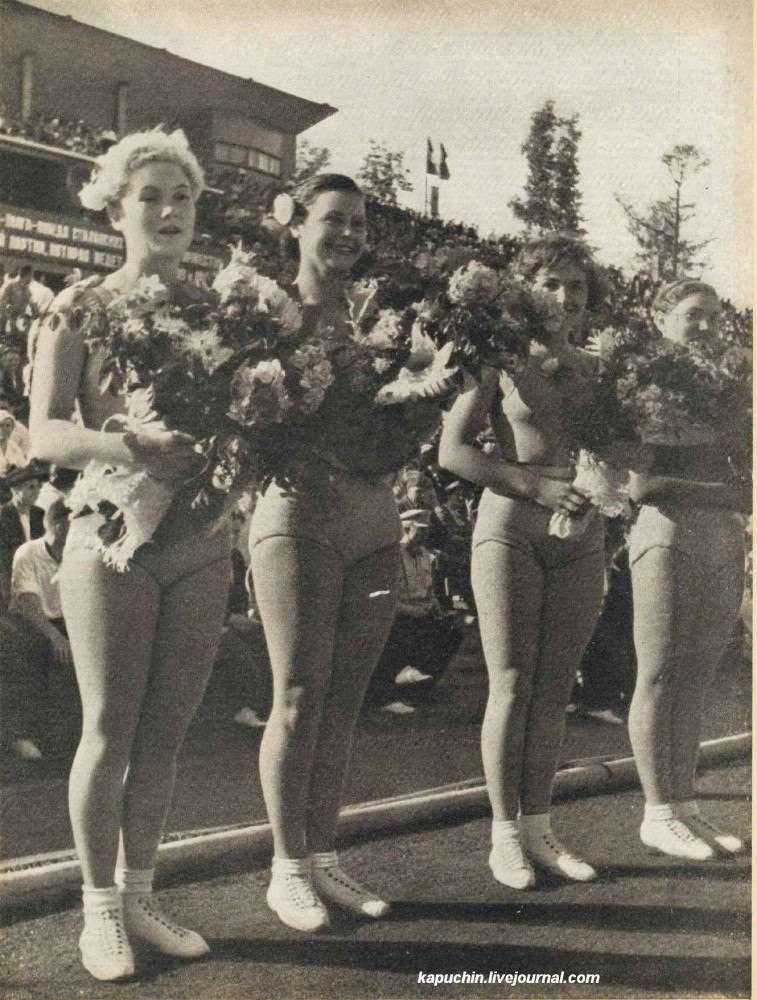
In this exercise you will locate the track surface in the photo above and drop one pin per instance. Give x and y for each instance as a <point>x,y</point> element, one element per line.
<point>650,927</point>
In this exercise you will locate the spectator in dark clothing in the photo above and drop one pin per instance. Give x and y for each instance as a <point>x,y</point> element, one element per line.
<point>20,520</point>
<point>425,634</point>
<point>37,671</point>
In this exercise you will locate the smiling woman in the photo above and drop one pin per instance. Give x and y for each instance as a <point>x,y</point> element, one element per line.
<point>143,642</point>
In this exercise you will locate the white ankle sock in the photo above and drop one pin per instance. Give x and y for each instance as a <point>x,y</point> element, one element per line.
<point>505,829</point>
<point>325,859</point>
<point>290,866</point>
<point>135,881</point>
<point>99,899</point>
<point>655,814</point>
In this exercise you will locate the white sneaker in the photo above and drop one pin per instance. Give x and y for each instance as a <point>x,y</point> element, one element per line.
<point>26,749</point>
<point>398,708</point>
<point>292,898</point>
<point>248,717</point>
<point>335,886</point>
<point>605,715</point>
<point>105,950</point>
<point>672,837</point>
<point>702,828</point>
<point>145,921</point>
<point>411,675</point>
<point>546,851</point>
<point>509,864</point>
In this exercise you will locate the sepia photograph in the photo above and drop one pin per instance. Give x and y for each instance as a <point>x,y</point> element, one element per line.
<point>375,499</point>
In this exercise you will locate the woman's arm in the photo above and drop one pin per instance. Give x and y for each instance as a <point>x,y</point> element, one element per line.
<point>59,362</point>
<point>61,355</point>
<point>459,454</point>
<point>647,488</point>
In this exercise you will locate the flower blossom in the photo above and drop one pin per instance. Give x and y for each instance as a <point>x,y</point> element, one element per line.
<point>259,394</point>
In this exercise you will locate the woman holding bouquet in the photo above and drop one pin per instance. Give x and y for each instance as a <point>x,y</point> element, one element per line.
<point>538,596</point>
<point>324,558</point>
<point>687,563</point>
<point>143,641</point>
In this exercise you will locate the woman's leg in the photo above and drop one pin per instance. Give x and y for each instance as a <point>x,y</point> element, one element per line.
<point>713,600</point>
<point>298,587</point>
<point>659,596</point>
<point>369,599</point>
<point>187,632</point>
<point>508,586</point>
<point>571,604</point>
<point>111,625</point>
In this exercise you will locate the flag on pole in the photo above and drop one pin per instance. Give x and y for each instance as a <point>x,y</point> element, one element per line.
<point>430,164</point>
<point>443,168</point>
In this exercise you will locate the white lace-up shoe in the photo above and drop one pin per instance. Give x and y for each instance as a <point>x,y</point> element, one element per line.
<point>705,830</point>
<point>145,921</point>
<point>292,898</point>
<point>105,950</point>
<point>545,851</point>
<point>509,864</point>
<point>672,837</point>
<point>335,886</point>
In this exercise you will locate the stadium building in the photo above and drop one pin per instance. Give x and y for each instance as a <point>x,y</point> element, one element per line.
<point>56,69</point>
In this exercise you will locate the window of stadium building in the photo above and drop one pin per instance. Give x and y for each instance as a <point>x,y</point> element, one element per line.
<point>243,156</point>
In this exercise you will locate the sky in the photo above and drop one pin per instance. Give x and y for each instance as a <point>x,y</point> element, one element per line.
<point>642,75</point>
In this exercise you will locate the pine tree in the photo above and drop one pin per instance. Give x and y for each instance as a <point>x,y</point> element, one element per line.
<point>552,198</point>
<point>535,208</point>
<point>664,252</point>
<point>566,196</point>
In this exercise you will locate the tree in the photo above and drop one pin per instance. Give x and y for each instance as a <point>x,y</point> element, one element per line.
<point>310,160</point>
<point>552,199</point>
<point>664,252</point>
<point>383,174</point>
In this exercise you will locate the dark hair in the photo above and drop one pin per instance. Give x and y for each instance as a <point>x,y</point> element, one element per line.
<point>25,271</point>
<point>57,512</point>
<point>553,249</point>
<point>305,194</point>
<point>668,296</point>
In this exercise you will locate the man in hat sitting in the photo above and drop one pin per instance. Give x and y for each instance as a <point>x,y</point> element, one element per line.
<point>425,634</point>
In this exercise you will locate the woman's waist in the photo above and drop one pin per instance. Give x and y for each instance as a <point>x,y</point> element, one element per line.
<point>678,519</point>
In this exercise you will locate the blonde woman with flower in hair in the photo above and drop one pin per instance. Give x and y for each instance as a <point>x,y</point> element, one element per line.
<point>324,557</point>
<point>143,641</point>
<point>687,566</point>
<point>538,595</point>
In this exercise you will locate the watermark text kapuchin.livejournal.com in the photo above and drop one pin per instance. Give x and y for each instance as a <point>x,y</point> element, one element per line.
<point>509,978</point>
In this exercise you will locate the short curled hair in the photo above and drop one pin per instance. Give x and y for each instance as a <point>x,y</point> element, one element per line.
<point>305,194</point>
<point>553,249</point>
<point>668,296</point>
<point>113,169</point>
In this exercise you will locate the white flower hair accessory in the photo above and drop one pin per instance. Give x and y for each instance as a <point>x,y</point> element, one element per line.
<point>114,166</point>
<point>284,208</point>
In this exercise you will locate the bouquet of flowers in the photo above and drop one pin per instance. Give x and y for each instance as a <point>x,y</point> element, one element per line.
<point>389,379</point>
<point>235,372</point>
<point>493,319</point>
<point>662,392</point>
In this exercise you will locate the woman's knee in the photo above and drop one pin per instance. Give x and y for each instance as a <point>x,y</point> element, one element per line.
<point>294,705</point>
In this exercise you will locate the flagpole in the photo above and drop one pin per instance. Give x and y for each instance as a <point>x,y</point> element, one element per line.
<point>425,192</point>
